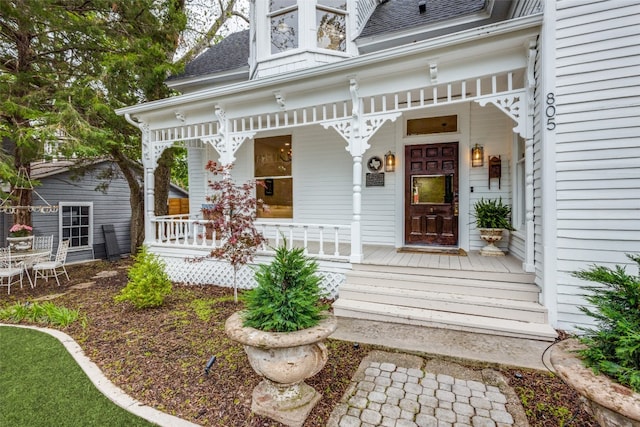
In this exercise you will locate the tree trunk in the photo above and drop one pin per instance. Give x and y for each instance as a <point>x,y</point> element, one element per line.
<point>162,177</point>
<point>136,198</point>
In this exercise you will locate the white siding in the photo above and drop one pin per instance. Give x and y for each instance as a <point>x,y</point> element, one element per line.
<point>598,145</point>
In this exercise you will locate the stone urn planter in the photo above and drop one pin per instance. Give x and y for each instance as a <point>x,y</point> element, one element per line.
<point>285,360</point>
<point>17,244</point>
<point>491,236</point>
<point>611,404</point>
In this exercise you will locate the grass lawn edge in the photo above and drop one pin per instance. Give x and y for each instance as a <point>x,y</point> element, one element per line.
<point>106,387</point>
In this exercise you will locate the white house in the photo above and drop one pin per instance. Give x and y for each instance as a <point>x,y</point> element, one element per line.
<point>361,117</point>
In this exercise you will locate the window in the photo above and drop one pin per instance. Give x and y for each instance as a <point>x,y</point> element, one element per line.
<point>331,23</point>
<point>431,125</point>
<point>272,160</point>
<point>519,211</point>
<point>283,15</point>
<point>76,224</point>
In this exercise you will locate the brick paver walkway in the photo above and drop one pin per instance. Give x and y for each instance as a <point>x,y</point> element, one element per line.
<point>394,396</point>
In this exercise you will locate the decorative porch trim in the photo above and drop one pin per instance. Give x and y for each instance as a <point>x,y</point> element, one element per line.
<point>226,144</point>
<point>513,105</point>
<point>357,131</point>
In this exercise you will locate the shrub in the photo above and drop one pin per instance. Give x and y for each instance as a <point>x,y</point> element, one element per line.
<point>45,313</point>
<point>148,283</point>
<point>613,348</point>
<point>288,295</point>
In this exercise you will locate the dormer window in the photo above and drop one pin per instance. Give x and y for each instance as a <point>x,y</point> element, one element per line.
<point>283,15</point>
<point>332,24</point>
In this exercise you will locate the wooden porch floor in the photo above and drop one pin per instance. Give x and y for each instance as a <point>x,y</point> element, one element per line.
<point>473,261</point>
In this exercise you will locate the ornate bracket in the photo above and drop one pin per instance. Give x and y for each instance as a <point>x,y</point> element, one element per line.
<point>227,145</point>
<point>358,130</point>
<point>513,105</point>
<point>280,100</point>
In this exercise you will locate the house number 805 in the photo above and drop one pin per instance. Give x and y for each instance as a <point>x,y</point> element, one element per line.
<point>550,111</point>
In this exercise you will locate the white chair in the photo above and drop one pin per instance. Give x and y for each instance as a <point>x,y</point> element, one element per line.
<point>9,270</point>
<point>55,268</point>
<point>43,243</point>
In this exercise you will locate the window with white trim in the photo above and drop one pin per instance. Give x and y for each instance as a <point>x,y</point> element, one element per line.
<point>331,21</point>
<point>283,23</point>
<point>272,162</point>
<point>76,223</point>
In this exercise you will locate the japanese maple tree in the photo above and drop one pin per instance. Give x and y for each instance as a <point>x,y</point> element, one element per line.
<point>232,214</point>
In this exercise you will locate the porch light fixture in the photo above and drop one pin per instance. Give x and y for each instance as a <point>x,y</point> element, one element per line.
<point>477,156</point>
<point>389,162</point>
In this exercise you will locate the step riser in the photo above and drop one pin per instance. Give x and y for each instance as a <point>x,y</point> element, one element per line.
<point>430,324</point>
<point>486,289</point>
<point>449,305</point>
<point>506,328</point>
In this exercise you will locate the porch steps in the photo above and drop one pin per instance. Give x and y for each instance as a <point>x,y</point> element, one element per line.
<point>504,304</point>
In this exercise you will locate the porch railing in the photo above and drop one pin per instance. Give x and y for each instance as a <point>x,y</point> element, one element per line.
<point>321,241</point>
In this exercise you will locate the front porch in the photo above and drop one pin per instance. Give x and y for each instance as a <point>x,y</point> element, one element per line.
<point>463,292</point>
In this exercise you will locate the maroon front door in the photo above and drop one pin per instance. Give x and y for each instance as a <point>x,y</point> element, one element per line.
<point>431,194</point>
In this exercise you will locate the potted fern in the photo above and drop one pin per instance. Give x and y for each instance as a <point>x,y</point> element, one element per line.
<point>603,364</point>
<point>492,218</point>
<point>283,329</point>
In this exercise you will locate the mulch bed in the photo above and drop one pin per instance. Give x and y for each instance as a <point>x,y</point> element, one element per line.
<point>158,356</point>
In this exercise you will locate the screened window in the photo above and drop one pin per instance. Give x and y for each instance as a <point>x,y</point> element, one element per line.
<point>332,24</point>
<point>272,160</point>
<point>519,210</point>
<point>76,224</point>
<point>283,16</point>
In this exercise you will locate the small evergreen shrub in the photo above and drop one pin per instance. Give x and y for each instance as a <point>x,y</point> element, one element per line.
<point>288,295</point>
<point>613,348</point>
<point>148,283</point>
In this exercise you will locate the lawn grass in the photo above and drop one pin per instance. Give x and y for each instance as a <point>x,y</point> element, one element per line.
<point>42,385</point>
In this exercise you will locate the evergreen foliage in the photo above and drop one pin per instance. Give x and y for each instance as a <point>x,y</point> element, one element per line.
<point>288,295</point>
<point>492,213</point>
<point>148,283</point>
<point>613,348</point>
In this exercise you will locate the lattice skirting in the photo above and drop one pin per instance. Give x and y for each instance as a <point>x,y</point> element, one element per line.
<point>214,272</point>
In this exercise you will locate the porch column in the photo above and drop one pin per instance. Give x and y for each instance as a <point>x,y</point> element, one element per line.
<point>357,131</point>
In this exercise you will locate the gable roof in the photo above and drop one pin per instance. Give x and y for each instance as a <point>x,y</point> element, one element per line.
<point>400,15</point>
<point>41,170</point>
<point>231,53</point>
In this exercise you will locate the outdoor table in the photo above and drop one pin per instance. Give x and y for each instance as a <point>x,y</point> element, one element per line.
<point>29,258</point>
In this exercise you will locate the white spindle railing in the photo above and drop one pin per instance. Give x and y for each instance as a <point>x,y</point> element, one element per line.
<point>322,241</point>
<point>420,97</point>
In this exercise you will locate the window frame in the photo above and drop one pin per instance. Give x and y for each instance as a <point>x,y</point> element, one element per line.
<point>61,226</point>
<point>284,11</point>
<point>344,13</point>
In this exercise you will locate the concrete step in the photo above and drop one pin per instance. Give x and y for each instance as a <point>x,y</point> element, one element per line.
<point>487,306</point>
<point>419,280</point>
<point>374,311</point>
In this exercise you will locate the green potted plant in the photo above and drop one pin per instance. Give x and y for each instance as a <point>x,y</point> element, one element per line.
<point>492,218</point>
<point>603,363</point>
<point>283,329</point>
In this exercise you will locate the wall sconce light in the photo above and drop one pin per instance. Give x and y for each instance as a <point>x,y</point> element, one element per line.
<point>477,156</point>
<point>389,162</point>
